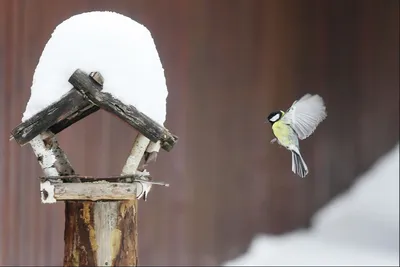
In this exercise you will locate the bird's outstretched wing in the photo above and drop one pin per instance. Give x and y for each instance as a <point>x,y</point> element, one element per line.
<point>305,114</point>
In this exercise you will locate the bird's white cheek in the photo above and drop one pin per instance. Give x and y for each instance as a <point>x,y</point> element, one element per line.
<point>275,117</point>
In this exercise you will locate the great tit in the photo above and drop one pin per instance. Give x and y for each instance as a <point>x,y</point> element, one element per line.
<point>298,122</point>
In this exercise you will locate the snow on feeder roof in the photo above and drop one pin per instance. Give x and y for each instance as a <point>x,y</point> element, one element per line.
<point>121,49</point>
<point>126,78</point>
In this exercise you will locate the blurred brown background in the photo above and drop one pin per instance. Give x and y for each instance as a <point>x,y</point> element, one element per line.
<point>228,64</point>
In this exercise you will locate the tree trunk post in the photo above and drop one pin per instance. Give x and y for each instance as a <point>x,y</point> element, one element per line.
<point>104,233</point>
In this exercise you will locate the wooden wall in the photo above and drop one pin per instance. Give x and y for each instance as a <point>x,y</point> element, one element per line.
<point>228,64</point>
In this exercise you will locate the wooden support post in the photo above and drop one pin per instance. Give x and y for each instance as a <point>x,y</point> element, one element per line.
<point>151,153</point>
<point>50,156</point>
<point>110,228</point>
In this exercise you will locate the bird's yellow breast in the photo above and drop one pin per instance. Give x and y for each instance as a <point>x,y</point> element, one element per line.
<point>282,132</point>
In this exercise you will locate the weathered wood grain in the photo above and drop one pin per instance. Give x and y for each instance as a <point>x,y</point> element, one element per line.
<point>69,104</point>
<point>72,107</point>
<point>128,113</point>
<point>138,178</point>
<point>75,117</point>
<point>84,178</point>
<point>81,112</point>
<point>91,191</point>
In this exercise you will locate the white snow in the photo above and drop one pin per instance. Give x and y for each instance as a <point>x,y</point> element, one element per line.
<point>360,227</point>
<point>121,49</point>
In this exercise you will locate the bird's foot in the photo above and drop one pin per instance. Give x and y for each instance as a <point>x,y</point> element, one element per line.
<point>273,140</point>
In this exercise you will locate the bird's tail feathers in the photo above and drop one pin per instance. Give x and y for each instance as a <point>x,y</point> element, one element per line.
<point>299,166</point>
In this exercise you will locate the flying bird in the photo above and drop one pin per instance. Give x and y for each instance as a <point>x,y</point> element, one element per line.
<point>297,123</point>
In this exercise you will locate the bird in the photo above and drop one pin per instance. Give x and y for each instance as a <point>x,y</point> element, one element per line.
<point>297,123</point>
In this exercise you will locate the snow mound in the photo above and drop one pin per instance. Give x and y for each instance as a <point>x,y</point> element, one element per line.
<point>358,228</point>
<point>121,49</point>
<point>306,249</point>
<point>367,214</point>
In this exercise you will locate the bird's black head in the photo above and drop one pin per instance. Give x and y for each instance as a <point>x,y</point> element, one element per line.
<point>275,116</point>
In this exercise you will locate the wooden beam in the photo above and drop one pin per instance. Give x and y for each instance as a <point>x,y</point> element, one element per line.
<point>128,113</point>
<point>43,120</point>
<point>75,117</point>
<point>137,178</point>
<point>53,191</point>
<point>81,112</point>
<point>71,108</point>
<point>150,155</point>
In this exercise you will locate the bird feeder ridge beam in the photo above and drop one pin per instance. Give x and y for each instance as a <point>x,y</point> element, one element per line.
<point>128,113</point>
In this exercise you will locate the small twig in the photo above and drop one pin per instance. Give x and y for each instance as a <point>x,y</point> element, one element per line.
<point>154,183</point>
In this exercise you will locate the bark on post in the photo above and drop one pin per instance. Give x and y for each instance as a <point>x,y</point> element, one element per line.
<point>105,233</point>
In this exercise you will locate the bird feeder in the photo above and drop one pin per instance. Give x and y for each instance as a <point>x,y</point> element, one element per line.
<point>60,182</point>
